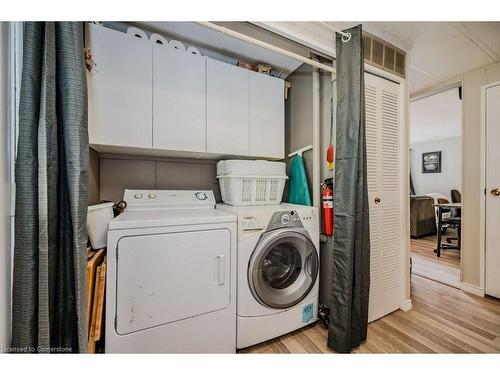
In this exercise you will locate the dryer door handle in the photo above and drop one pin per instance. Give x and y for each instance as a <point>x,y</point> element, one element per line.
<point>221,269</point>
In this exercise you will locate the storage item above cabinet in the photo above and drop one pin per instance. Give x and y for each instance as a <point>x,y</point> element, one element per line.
<point>119,89</point>
<point>179,111</point>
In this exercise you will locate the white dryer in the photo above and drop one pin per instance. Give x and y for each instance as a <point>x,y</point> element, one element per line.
<point>278,263</point>
<point>171,275</point>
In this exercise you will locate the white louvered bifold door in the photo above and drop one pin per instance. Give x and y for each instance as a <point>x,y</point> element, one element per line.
<point>383,154</point>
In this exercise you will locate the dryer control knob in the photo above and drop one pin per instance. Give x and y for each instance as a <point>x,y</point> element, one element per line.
<point>285,219</point>
<point>151,195</point>
<point>138,195</point>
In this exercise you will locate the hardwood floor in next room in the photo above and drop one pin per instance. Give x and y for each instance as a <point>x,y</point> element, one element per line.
<point>425,263</point>
<point>443,320</point>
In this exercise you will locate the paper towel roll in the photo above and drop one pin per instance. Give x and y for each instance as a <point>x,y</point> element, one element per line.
<point>136,32</point>
<point>193,50</point>
<point>175,44</point>
<point>158,39</point>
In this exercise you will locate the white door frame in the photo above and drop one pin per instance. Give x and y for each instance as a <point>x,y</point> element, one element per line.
<point>449,86</point>
<point>482,206</point>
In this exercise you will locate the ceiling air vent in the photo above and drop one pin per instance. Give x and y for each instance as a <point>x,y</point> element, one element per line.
<point>384,55</point>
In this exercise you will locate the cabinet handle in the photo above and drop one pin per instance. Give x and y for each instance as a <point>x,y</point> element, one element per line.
<point>377,200</point>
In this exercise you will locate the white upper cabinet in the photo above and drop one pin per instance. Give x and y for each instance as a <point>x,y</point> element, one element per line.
<point>266,116</point>
<point>120,93</point>
<point>227,109</point>
<point>179,110</point>
<point>151,99</point>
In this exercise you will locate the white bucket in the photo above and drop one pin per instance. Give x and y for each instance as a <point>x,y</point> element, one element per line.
<point>98,217</point>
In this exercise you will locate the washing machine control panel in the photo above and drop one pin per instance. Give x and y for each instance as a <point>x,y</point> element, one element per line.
<point>285,219</point>
<point>305,218</point>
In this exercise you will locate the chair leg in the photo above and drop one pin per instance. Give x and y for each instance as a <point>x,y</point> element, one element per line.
<point>459,230</point>
<point>440,225</point>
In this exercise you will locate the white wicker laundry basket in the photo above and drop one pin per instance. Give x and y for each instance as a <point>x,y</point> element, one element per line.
<point>247,188</point>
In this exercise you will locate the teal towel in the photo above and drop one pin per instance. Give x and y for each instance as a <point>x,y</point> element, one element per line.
<point>299,188</point>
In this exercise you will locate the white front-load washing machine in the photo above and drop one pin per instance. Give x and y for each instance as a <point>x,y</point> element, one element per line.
<point>277,270</point>
<point>171,282</point>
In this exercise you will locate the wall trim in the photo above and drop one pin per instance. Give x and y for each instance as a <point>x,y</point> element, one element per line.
<point>406,305</point>
<point>482,204</point>
<point>482,207</point>
<point>472,289</point>
<point>437,90</point>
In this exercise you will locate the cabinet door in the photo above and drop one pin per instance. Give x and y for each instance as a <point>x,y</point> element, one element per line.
<point>227,108</point>
<point>383,163</point>
<point>119,89</point>
<point>267,116</point>
<point>179,116</point>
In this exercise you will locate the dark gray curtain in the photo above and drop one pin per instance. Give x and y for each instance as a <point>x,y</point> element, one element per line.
<point>351,245</point>
<point>49,288</point>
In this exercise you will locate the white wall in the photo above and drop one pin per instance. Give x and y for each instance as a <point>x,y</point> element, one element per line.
<point>119,172</point>
<point>451,167</point>
<point>435,117</point>
<point>5,255</point>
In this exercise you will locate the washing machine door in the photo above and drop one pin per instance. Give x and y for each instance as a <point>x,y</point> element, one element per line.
<point>283,268</point>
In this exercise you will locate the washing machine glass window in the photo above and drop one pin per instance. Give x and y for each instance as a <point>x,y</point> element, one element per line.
<point>283,268</point>
<point>282,265</point>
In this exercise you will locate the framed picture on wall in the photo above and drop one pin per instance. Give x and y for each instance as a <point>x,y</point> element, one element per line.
<point>431,162</point>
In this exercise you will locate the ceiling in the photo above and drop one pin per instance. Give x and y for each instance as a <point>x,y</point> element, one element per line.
<point>439,51</point>
<point>436,117</point>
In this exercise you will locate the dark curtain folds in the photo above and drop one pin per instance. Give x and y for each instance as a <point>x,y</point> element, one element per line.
<point>351,245</point>
<point>49,288</point>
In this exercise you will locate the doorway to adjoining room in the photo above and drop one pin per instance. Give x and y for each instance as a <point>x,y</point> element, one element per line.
<point>436,186</point>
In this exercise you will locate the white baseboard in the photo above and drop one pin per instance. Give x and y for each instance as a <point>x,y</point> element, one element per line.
<point>406,305</point>
<point>472,289</point>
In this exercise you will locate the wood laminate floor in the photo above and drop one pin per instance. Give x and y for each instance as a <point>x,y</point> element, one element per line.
<point>443,320</point>
<point>425,263</point>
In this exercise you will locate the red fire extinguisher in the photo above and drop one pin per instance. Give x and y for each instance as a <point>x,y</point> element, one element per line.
<point>327,199</point>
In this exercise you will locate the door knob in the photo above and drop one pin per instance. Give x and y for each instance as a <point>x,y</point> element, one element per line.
<point>495,192</point>
<point>377,200</point>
